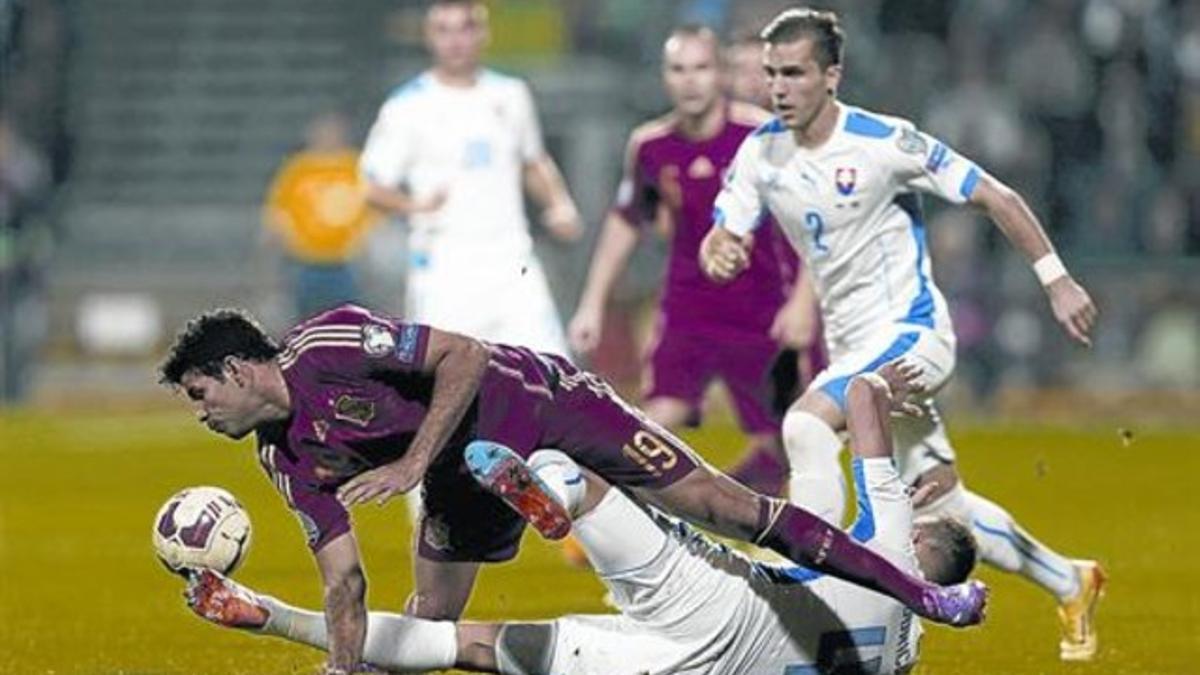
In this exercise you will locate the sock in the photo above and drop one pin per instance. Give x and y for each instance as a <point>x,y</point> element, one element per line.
<point>618,536</point>
<point>1005,544</point>
<point>763,468</point>
<point>393,641</point>
<point>561,476</point>
<point>816,481</point>
<point>813,542</point>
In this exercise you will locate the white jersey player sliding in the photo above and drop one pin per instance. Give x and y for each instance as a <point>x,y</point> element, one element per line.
<point>688,605</point>
<point>844,184</point>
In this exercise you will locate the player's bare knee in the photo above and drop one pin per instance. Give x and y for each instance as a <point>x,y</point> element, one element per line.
<point>526,647</point>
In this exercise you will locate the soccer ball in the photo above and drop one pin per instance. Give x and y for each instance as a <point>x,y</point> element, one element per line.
<point>201,527</point>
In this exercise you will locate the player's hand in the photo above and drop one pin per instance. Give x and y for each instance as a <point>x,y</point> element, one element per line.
<point>724,255</point>
<point>904,381</point>
<point>429,203</point>
<point>584,330</point>
<point>381,483</point>
<point>1073,309</point>
<point>563,221</point>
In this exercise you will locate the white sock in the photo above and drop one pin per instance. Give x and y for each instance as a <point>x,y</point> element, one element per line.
<point>1005,544</point>
<point>816,482</point>
<point>393,642</point>
<point>562,476</point>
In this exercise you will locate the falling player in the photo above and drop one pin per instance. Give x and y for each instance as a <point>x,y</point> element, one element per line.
<point>357,407</point>
<point>843,183</point>
<point>687,604</point>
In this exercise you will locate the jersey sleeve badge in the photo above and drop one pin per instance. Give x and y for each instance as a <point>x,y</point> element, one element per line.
<point>911,142</point>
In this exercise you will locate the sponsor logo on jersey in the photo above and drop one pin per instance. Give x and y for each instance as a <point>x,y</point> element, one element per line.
<point>701,168</point>
<point>845,178</point>
<point>406,348</point>
<point>912,142</point>
<point>352,409</point>
<point>377,340</point>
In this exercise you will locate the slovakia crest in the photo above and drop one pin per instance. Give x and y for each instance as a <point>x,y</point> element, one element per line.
<point>845,179</point>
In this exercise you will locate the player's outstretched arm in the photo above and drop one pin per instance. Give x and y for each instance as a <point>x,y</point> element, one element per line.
<point>457,364</point>
<point>724,255</point>
<point>345,601</point>
<point>617,241</point>
<point>1072,306</point>
<point>545,184</point>
<point>401,203</point>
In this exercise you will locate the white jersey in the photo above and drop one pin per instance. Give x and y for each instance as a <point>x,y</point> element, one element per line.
<point>700,608</point>
<point>851,210</point>
<point>471,142</point>
<point>471,264</point>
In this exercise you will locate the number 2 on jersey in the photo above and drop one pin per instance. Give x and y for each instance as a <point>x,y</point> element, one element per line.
<point>815,224</point>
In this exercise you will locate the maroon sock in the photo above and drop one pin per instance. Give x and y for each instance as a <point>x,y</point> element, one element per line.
<point>804,538</point>
<point>761,471</point>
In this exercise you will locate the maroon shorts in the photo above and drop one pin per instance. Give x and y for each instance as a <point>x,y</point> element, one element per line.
<point>682,364</point>
<point>583,418</point>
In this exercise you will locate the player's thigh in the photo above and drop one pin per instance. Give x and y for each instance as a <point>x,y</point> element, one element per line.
<point>677,367</point>
<point>746,368</point>
<point>524,311</point>
<point>932,352</point>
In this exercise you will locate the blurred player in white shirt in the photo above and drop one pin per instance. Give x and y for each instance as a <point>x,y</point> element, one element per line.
<point>687,605</point>
<point>843,183</point>
<point>451,150</point>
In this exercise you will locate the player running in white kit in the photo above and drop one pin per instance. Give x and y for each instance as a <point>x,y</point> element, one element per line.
<point>688,605</point>
<point>451,150</point>
<point>843,183</point>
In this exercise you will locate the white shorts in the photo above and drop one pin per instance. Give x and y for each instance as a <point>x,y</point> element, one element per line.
<point>921,444</point>
<point>504,300</point>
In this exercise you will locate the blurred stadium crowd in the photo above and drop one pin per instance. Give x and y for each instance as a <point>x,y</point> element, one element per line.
<point>1091,108</point>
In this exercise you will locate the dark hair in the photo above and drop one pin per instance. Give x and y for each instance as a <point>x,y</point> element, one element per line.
<point>477,7</point>
<point>954,548</point>
<point>821,27</point>
<point>211,337</point>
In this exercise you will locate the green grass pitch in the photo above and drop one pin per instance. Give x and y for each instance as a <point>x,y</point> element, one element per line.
<point>80,591</point>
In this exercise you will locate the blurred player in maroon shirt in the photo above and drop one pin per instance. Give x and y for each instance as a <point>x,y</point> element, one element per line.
<point>673,170</point>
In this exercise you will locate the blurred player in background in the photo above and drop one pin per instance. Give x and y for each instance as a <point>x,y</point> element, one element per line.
<point>450,151</point>
<point>673,170</point>
<point>356,407</point>
<point>687,604</point>
<point>844,184</point>
<point>316,213</point>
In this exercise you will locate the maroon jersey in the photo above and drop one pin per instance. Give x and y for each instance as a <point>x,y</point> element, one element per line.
<point>667,173</point>
<point>358,397</point>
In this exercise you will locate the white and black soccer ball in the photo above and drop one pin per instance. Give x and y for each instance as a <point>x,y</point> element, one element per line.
<point>201,527</point>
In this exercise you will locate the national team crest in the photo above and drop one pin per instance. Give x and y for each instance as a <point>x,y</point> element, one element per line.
<point>845,179</point>
<point>348,408</point>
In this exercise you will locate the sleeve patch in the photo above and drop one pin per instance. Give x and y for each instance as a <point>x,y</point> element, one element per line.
<point>911,142</point>
<point>406,348</point>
